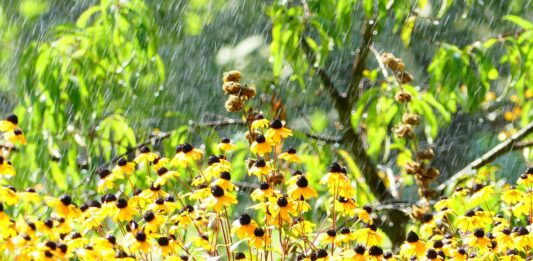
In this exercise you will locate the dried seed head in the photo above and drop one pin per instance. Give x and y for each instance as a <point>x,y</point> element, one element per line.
<point>232,76</point>
<point>232,88</point>
<point>412,167</point>
<point>425,154</point>
<point>403,130</point>
<point>403,96</point>
<point>234,103</point>
<point>404,77</point>
<point>392,62</point>
<point>410,118</point>
<point>247,92</point>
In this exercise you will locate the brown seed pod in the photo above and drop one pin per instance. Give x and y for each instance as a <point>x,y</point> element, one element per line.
<point>410,118</point>
<point>413,167</point>
<point>391,61</point>
<point>231,87</point>
<point>404,77</point>
<point>425,154</point>
<point>247,92</point>
<point>403,130</point>
<point>403,96</point>
<point>232,76</point>
<point>234,103</point>
<point>431,173</point>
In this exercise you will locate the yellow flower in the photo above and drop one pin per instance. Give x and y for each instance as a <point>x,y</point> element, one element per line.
<point>163,206</point>
<point>335,178</point>
<point>139,242</point>
<point>244,227</point>
<point>262,193</point>
<point>346,235</point>
<point>302,227</point>
<point>6,169</point>
<point>107,180</point>
<point>357,254</point>
<point>9,124</point>
<point>413,246</point>
<point>504,239</point>
<point>512,196</point>
<point>260,239</point>
<point>63,206</point>
<point>328,238</point>
<point>152,222</point>
<point>526,179</point>
<point>277,132</point>
<point>429,223</point>
<point>375,253</point>
<point>368,236</point>
<point>241,257</point>
<point>460,255</point>
<point>123,168</point>
<point>201,192</point>
<point>364,214</point>
<point>301,189</point>
<point>473,219</point>
<point>186,154</point>
<point>346,207</point>
<point>124,211</point>
<point>15,136</point>
<point>224,181</point>
<point>260,168</point>
<point>164,175</point>
<point>283,208</point>
<point>523,240</point>
<point>259,123</point>
<point>225,145</point>
<point>29,196</point>
<point>160,162</point>
<point>166,246</point>
<point>261,145</point>
<point>220,199</point>
<point>9,195</point>
<point>153,193</point>
<point>203,242</point>
<point>146,156</point>
<point>478,240</point>
<point>481,194</point>
<point>290,156</point>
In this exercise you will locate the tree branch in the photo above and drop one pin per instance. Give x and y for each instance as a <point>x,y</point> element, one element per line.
<point>500,149</point>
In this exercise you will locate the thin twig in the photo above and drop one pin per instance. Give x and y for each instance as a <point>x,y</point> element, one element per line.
<point>500,149</point>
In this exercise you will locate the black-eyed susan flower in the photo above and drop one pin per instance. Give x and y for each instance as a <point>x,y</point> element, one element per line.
<point>241,256</point>
<point>302,190</point>
<point>153,193</point>
<point>10,123</point>
<point>186,154</point>
<point>152,221</point>
<point>225,145</point>
<point>357,254</point>
<point>244,227</point>
<point>481,194</point>
<point>413,246</point>
<point>290,156</point>
<point>219,199</point>
<point>260,168</point>
<point>277,132</point>
<point>261,145</point>
<point>346,207</point>
<point>428,224</point>
<point>262,193</point>
<point>146,156</point>
<point>15,136</point>
<point>259,239</point>
<point>364,214</point>
<point>123,168</point>
<point>224,181</point>
<point>334,177</point>
<point>9,195</point>
<point>345,235</point>
<point>164,175</point>
<point>29,196</point>
<point>201,192</point>
<point>124,211</point>
<point>166,246</point>
<point>523,239</point>
<point>139,241</point>
<point>259,122</point>
<point>63,206</point>
<point>301,227</point>
<point>202,241</point>
<point>472,219</point>
<point>160,162</point>
<point>6,169</point>
<point>478,240</point>
<point>107,180</point>
<point>375,253</point>
<point>105,246</point>
<point>512,196</point>
<point>282,207</point>
<point>328,237</point>
<point>368,236</point>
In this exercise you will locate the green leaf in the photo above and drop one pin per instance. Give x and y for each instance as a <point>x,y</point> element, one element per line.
<point>407,29</point>
<point>519,21</point>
